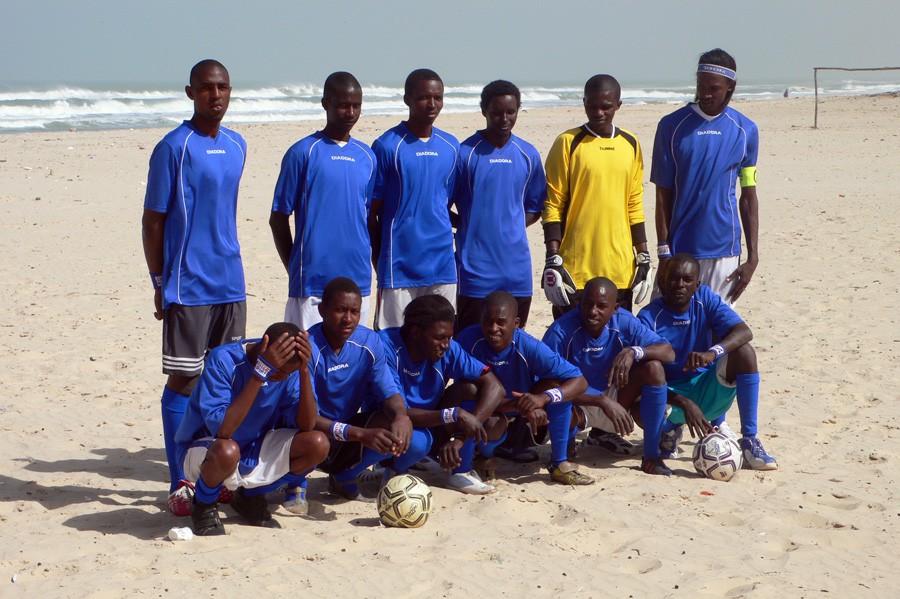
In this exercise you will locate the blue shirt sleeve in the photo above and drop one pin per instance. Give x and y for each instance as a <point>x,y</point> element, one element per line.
<point>752,145</point>
<point>287,189</point>
<point>662,172</point>
<point>461,364</point>
<point>637,333</point>
<point>215,392</point>
<point>161,178</point>
<point>536,188</point>
<point>720,315</point>
<point>382,164</point>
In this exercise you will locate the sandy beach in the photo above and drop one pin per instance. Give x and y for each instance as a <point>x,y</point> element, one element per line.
<point>82,489</point>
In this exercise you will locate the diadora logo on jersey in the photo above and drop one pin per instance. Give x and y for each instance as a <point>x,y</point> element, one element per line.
<point>709,132</point>
<point>503,160</point>
<point>592,349</point>
<point>681,323</point>
<point>215,151</point>
<point>426,153</point>
<point>338,367</point>
<point>411,373</point>
<point>347,158</point>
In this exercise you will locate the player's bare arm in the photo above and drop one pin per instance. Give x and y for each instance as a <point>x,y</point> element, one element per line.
<point>749,207</point>
<point>280,224</point>
<point>153,226</point>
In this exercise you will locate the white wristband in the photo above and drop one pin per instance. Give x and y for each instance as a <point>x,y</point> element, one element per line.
<point>339,430</point>
<point>717,349</point>
<point>555,394</point>
<point>638,352</point>
<point>449,415</point>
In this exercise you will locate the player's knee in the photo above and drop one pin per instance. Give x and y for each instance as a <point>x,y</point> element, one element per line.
<point>224,453</point>
<point>653,373</point>
<point>419,444</point>
<point>314,444</point>
<point>745,359</point>
<point>459,392</point>
<point>495,426</point>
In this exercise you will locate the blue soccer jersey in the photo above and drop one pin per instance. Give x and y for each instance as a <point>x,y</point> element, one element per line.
<point>226,373</point>
<point>594,356</point>
<point>194,181</point>
<point>495,187</point>
<point>328,188</point>
<point>415,181</point>
<point>356,377</point>
<point>422,383</point>
<point>699,158</point>
<point>526,360</point>
<point>691,330</point>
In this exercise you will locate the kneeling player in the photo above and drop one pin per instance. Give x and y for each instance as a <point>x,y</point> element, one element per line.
<point>249,425</point>
<point>539,383</point>
<point>705,377</point>
<point>422,357</point>
<point>621,359</point>
<point>349,373</point>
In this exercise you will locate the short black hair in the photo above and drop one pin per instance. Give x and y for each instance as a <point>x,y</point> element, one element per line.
<point>413,79</point>
<point>601,283</point>
<point>337,286</point>
<point>718,57</point>
<point>337,82</point>
<point>499,298</point>
<point>500,87</point>
<point>203,64</point>
<point>603,84</point>
<point>684,258</point>
<point>426,310</point>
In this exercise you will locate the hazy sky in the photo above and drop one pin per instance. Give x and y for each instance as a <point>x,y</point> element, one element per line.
<point>466,41</point>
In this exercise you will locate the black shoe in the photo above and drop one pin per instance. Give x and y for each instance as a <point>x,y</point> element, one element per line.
<point>205,519</point>
<point>655,466</point>
<point>518,444</point>
<point>255,510</point>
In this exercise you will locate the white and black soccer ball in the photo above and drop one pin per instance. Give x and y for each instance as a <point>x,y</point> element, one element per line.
<point>404,502</point>
<point>717,457</point>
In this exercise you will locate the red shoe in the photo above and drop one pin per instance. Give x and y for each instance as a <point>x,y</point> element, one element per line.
<point>180,499</point>
<point>225,495</point>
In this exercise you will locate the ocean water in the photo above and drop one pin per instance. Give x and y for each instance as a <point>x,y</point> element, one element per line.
<point>83,108</point>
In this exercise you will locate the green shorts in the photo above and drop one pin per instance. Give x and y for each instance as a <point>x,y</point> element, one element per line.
<point>709,390</point>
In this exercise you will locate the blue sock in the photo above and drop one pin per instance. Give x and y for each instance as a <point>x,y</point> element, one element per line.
<point>572,433</point>
<point>487,449</point>
<point>419,444</point>
<point>653,414</point>
<point>718,421</point>
<point>668,426</point>
<point>203,493</point>
<point>288,480</point>
<point>173,407</point>
<point>466,455</point>
<point>292,481</point>
<point>560,417</point>
<point>748,402</point>
<point>369,457</point>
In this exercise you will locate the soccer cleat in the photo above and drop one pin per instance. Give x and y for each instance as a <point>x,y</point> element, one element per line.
<point>295,501</point>
<point>755,456</point>
<point>610,442</point>
<point>572,477</point>
<point>470,482</point>
<point>255,510</point>
<point>205,519</point>
<point>668,442</point>
<point>728,432</point>
<point>180,499</point>
<point>655,466</point>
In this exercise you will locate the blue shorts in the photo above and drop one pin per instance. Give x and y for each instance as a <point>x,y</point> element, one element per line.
<point>709,390</point>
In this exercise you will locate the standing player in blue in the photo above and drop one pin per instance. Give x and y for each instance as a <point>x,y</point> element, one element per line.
<point>701,152</point>
<point>621,360</point>
<point>500,190</point>
<point>350,373</point>
<point>326,181</point>
<point>409,222</point>
<point>249,426</point>
<point>539,383</point>
<point>192,251</point>
<point>705,377</point>
<point>423,358</point>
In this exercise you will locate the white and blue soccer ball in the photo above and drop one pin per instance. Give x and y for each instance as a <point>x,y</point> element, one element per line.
<point>404,502</point>
<point>717,457</point>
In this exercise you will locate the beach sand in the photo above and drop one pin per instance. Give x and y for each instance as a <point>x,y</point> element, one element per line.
<point>82,489</point>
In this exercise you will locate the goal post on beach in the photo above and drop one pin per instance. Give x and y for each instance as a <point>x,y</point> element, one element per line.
<point>816,82</point>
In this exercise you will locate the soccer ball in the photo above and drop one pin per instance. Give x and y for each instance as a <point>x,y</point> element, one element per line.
<point>404,502</point>
<point>717,457</point>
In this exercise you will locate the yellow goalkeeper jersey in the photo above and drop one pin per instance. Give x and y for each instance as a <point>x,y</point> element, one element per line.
<point>595,190</point>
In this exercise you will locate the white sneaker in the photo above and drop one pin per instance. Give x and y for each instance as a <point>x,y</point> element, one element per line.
<point>470,482</point>
<point>726,430</point>
<point>296,501</point>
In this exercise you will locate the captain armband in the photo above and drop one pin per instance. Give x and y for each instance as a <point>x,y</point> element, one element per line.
<point>747,176</point>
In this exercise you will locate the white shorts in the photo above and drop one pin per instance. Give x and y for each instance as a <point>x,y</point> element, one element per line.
<point>274,460</point>
<point>304,311</point>
<point>392,302</point>
<point>594,416</point>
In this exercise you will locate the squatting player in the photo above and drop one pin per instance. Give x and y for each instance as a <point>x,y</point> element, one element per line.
<point>191,246</point>
<point>423,358</point>
<point>539,383</point>
<point>350,373</point>
<point>594,214</point>
<point>249,426</point>
<point>409,222</point>
<point>705,376</point>
<point>326,181</point>
<point>701,151</point>
<point>500,190</point>
<point>621,360</point>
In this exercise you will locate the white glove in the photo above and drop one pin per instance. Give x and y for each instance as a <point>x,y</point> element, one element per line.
<point>557,282</point>
<point>643,277</point>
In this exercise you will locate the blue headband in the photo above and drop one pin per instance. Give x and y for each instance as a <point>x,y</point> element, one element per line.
<point>716,70</point>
